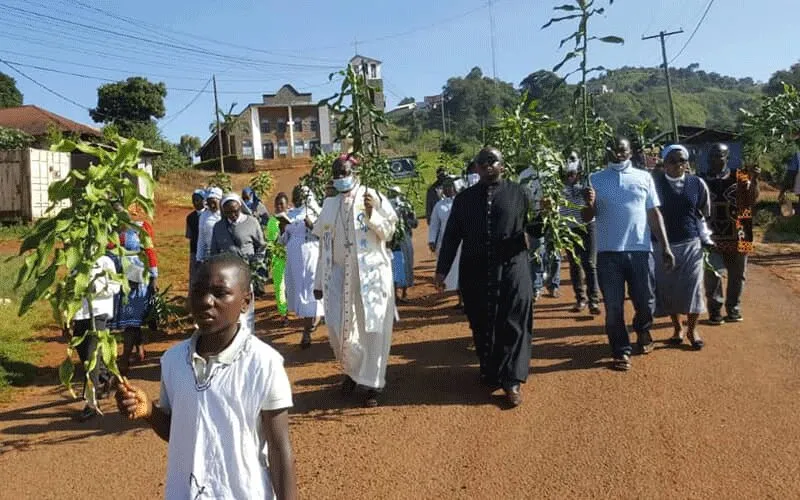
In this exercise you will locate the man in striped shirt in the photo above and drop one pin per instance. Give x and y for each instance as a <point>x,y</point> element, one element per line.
<point>583,265</point>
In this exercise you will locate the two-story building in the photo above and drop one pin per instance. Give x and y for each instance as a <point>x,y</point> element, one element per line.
<point>286,124</point>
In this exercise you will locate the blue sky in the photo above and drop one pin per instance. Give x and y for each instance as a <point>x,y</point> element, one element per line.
<point>421,44</point>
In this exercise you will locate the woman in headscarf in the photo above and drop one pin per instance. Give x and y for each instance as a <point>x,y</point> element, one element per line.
<point>302,255</point>
<point>254,205</point>
<point>275,228</point>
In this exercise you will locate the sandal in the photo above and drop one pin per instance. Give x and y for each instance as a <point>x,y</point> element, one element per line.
<point>622,363</point>
<point>696,342</point>
<point>677,337</point>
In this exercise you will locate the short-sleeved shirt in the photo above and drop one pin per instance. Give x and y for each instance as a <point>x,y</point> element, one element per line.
<point>217,446</point>
<point>623,199</point>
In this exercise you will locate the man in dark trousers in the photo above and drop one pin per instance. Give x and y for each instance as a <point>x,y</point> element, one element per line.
<point>488,221</point>
<point>193,227</point>
<point>733,195</point>
<point>435,193</point>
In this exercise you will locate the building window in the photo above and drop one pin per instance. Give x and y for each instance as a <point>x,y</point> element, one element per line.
<point>247,148</point>
<point>298,146</point>
<point>373,70</point>
<point>298,124</point>
<point>265,127</point>
<point>281,126</point>
<point>283,148</point>
<point>313,125</point>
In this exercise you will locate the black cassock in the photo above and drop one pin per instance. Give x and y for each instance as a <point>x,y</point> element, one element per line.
<point>494,275</point>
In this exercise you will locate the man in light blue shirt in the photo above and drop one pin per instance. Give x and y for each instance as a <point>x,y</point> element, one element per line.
<point>624,203</point>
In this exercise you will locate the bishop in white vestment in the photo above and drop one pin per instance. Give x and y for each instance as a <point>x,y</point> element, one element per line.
<point>354,275</point>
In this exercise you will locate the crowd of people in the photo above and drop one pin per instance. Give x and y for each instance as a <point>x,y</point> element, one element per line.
<point>662,238</point>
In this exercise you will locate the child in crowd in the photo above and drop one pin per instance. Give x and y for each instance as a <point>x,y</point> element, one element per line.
<point>102,309</point>
<point>228,401</point>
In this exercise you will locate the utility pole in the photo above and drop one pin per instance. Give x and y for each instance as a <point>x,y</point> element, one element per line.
<point>662,36</point>
<point>491,28</point>
<point>444,127</point>
<point>219,129</point>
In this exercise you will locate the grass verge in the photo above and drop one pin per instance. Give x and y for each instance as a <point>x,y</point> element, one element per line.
<point>18,350</point>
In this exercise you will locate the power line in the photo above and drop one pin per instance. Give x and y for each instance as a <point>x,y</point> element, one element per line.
<point>45,87</point>
<point>204,52</point>
<point>703,18</point>
<point>159,30</point>
<point>194,99</point>
<point>102,79</point>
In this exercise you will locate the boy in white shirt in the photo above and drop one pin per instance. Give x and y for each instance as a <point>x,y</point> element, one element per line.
<point>229,395</point>
<point>103,311</point>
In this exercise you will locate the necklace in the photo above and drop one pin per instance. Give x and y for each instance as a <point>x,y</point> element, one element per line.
<point>341,216</point>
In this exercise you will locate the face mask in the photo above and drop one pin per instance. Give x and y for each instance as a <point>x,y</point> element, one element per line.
<point>473,179</point>
<point>620,166</point>
<point>572,165</point>
<point>344,184</point>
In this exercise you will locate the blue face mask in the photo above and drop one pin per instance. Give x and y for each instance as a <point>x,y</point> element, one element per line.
<point>344,184</point>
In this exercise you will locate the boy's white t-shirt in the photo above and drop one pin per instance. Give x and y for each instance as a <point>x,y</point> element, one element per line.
<point>217,446</point>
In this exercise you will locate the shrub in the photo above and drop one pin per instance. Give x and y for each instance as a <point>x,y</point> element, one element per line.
<point>262,184</point>
<point>11,138</point>
<point>222,181</point>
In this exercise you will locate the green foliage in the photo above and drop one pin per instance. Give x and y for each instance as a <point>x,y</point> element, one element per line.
<point>230,124</point>
<point>170,160</point>
<point>262,184</point>
<point>320,174</point>
<point>61,249</point>
<point>582,11</point>
<point>777,122</point>
<point>129,102</point>
<point>451,146</point>
<point>471,104</point>
<point>189,145</point>
<point>791,76</point>
<point>10,96</point>
<point>220,180</point>
<point>360,121</point>
<point>213,163</point>
<point>165,309</point>
<point>11,138</point>
<point>524,136</point>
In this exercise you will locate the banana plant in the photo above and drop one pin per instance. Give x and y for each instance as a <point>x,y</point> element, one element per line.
<point>62,248</point>
<point>582,11</point>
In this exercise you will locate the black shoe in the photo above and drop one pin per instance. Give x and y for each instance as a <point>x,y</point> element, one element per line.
<point>734,318</point>
<point>716,319</point>
<point>579,306</point>
<point>348,386</point>
<point>595,309</point>
<point>372,398</point>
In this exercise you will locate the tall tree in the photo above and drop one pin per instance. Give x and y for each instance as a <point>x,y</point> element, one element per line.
<point>129,103</point>
<point>189,145</point>
<point>10,95</point>
<point>791,76</point>
<point>471,103</point>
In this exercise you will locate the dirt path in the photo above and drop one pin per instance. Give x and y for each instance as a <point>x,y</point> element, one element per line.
<point>721,423</point>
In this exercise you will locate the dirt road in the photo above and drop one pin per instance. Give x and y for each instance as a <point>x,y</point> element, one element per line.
<point>721,423</point>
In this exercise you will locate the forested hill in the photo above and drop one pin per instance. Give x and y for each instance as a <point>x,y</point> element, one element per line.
<point>701,98</point>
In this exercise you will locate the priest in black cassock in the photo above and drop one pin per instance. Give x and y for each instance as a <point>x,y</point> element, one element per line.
<point>488,220</point>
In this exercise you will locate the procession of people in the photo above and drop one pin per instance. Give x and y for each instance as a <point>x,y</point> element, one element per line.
<point>662,238</point>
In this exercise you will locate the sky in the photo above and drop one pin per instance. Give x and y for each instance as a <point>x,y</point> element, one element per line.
<point>256,46</point>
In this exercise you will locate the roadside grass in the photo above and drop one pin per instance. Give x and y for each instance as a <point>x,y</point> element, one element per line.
<point>19,352</point>
<point>12,232</point>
